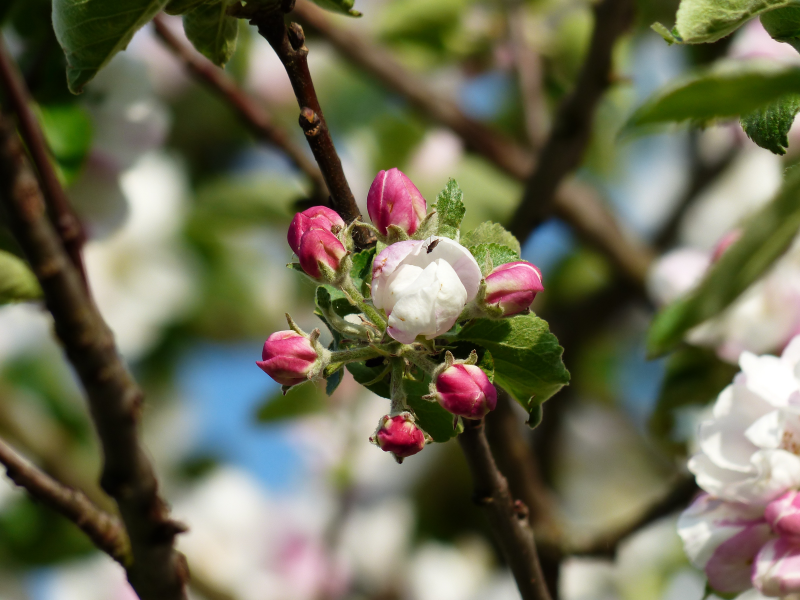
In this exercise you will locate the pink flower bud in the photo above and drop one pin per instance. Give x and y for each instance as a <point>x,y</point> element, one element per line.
<point>466,391</point>
<point>287,357</point>
<point>316,217</point>
<point>513,286</point>
<point>394,200</point>
<point>776,571</point>
<point>399,435</point>
<point>320,246</point>
<point>783,515</point>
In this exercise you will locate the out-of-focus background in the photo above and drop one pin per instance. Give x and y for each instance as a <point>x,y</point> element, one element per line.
<point>187,218</point>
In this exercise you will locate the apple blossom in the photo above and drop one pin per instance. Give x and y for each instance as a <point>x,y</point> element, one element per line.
<point>513,286</point>
<point>399,435</point>
<point>394,200</point>
<point>423,285</point>
<point>288,357</point>
<point>466,391</point>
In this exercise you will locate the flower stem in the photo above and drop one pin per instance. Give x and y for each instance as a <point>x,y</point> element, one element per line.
<point>357,299</point>
<point>340,358</point>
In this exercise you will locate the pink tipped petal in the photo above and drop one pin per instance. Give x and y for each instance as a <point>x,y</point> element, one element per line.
<point>729,568</point>
<point>320,246</point>
<point>776,571</point>
<point>513,286</point>
<point>783,514</point>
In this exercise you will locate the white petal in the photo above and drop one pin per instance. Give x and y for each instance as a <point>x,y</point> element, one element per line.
<point>718,481</point>
<point>414,311</point>
<point>768,377</point>
<point>767,432</point>
<point>462,261</point>
<point>398,284</point>
<point>451,297</point>
<point>384,266</point>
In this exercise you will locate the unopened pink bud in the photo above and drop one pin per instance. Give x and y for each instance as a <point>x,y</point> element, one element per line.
<point>466,391</point>
<point>399,435</point>
<point>513,286</point>
<point>287,357</point>
<point>394,200</point>
<point>316,217</point>
<point>783,515</point>
<point>320,246</point>
<point>728,240</point>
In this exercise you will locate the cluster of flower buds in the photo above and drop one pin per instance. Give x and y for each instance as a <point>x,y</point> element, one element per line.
<point>421,285</point>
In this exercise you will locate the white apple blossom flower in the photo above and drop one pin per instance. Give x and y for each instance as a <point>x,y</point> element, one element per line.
<point>423,285</point>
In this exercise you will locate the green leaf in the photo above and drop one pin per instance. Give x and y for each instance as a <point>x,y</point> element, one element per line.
<point>700,21</point>
<point>68,131</point>
<point>491,233</point>
<point>694,376</point>
<point>344,7</point>
<point>17,281</point>
<point>527,357</point>
<point>783,25</point>
<point>300,400</point>
<point>766,236</point>
<point>179,7</point>
<point>329,297</point>
<point>361,272</point>
<point>451,209</point>
<point>212,32</point>
<point>91,32</point>
<point>364,373</point>
<point>769,125</point>
<point>728,90</point>
<point>490,256</point>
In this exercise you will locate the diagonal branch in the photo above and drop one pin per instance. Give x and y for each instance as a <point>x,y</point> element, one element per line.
<point>250,112</point>
<point>158,571</point>
<point>66,222</point>
<point>577,204</point>
<point>508,518</point>
<point>105,530</point>
<point>564,149</point>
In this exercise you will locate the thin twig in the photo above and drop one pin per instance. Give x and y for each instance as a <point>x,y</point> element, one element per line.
<point>565,147</point>
<point>158,571</point>
<point>289,45</point>
<point>508,518</point>
<point>105,530</point>
<point>577,204</point>
<point>67,223</point>
<point>253,114</point>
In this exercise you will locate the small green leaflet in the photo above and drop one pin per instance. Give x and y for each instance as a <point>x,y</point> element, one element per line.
<point>490,256</point>
<point>451,210</point>
<point>527,357</point>
<point>769,125</point>
<point>68,131</point>
<point>17,281</point>
<point>212,32</point>
<point>783,25</point>
<point>766,236</point>
<point>728,90</point>
<point>300,400</point>
<point>344,7</point>
<point>179,7</point>
<point>91,32</point>
<point>700,21</point>
<point>491,233</point>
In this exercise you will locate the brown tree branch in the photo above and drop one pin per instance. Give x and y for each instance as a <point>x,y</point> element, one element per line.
<point>577,204</point>
<point>289,45</point>
<point>249,111</point>
<point>105,530</point>
<point>507,517</point>
<point>565,147</point>
<point>67,223</point>
<point>158,572</point>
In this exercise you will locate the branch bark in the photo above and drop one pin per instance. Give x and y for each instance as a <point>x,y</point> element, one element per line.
<point>567,142</point>
<point>289,45</point>
<point>158,571</point>
<point>251,113</point>
<point>67,223</point>
<point>577,204</point>
<point>105,530</point>
<point>508,518</point>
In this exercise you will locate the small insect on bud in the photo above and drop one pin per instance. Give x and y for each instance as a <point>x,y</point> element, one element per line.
<point>399,435</point>
<point>513,286</point>
<point>465,391</point>
<point>288,357</point>
<point>394,200</point>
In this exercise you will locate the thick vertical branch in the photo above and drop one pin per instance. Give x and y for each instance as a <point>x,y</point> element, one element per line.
<point>250,112</point>
<point>158,572</point>
<point>105,531</point>
<point>66,222</point>
<point>508,518</point>
<point>289,45</point>
<point>564,149</point>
